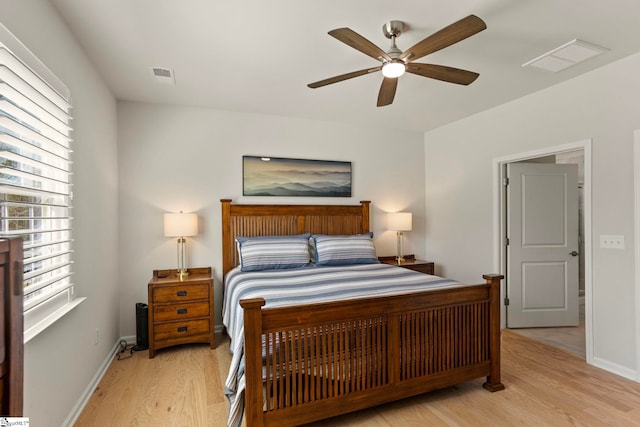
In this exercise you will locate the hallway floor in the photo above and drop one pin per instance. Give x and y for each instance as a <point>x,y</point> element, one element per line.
<point>571,339</point>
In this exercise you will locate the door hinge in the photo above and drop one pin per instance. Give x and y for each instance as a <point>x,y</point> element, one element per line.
<point>506,181</point>
<point>506,300</point>
<point>506,241</point>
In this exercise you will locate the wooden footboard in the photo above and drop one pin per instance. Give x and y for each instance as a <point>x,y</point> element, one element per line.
<point>326,359</point>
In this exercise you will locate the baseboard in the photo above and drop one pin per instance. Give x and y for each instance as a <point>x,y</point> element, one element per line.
<point>616,369</point>
<point>130,339</point>
<point>88,391</point>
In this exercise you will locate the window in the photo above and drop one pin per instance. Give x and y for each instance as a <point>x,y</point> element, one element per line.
<point>35,187</point>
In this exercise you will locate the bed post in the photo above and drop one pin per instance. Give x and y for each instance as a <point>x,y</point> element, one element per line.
<point>493,380</point>
<point>226,236</point>
<point>366,226</point>
<point>253,360</point>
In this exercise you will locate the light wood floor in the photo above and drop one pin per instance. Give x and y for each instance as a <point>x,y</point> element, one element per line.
<point>571,339</point>
<point>545,386</point>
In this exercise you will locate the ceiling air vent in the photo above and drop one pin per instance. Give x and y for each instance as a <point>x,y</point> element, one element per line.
<point>566,55</point>
<point>163,75</point>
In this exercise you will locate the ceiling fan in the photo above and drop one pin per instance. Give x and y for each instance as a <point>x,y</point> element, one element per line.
<point>396,62</point>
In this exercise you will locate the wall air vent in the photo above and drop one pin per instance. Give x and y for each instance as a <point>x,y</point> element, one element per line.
<point>163,75</point>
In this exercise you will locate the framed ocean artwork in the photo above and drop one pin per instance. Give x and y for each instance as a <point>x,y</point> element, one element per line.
<point>277,176</point>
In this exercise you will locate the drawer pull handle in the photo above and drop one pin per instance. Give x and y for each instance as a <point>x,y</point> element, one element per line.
<point>181,293</point>
<point>182,329</point>
<point>182,311</point>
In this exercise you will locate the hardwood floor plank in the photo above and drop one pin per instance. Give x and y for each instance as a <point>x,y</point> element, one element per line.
<point>545,386</point>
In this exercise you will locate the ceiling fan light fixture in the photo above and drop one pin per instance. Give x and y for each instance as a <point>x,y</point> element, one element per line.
<point>396,62</point>
<point>393,69</point>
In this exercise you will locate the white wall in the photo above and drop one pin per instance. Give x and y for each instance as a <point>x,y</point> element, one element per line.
<point>177,158</point>
<point>601,105</point>
<point>62,361</point>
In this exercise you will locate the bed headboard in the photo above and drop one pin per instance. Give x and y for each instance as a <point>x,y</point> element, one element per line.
<point>265,220</point>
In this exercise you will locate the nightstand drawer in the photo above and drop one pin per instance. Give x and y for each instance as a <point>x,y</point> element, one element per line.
<point>163,313</point>
<point>422,268</point>
<point>187,292</point>
<point>176,330</point>
<point>410,262</point>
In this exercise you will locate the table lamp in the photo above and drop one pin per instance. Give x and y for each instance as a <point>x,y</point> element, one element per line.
<point>181,225</point>
<point>400,221</point>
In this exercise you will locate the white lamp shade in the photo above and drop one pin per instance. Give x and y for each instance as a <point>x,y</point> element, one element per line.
<point>399,221</point>
<point>180,224</point>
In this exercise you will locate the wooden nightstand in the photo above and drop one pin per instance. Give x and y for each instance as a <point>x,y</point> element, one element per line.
<point>410,262</point>
<point>180,311</point>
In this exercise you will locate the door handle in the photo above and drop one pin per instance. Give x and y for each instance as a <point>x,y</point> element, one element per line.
<point>574,253</point>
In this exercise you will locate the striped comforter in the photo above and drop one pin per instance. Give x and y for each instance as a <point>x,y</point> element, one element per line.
<point>303,286</point>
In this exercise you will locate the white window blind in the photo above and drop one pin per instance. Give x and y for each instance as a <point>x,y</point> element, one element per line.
<point>35,187</point>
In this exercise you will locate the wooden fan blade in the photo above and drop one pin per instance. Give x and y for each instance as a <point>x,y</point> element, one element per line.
<point>440,72</point>
<point>387,91</point>
<point>447,36</point>
<point>356,41</point>
<point>342,77</point>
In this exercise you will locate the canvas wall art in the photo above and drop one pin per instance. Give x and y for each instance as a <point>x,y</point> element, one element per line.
<point>276,176</point>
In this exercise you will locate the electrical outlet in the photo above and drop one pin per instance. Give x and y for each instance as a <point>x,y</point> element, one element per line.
<point>611,242</point>
<point>97,336</point>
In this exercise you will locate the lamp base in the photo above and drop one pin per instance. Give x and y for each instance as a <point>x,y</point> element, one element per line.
<point>182,274</point>
<point>400,248</point>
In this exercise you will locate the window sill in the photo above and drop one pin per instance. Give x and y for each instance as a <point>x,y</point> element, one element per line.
<point>43,324</point>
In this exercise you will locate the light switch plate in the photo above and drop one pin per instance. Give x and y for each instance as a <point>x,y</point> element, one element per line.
<point>611,242</point>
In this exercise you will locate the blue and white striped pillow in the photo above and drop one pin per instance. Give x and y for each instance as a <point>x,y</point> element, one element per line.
<point>344,250</point>
<point>273,252</point>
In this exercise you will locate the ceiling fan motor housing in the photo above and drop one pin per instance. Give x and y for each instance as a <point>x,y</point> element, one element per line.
<point>393,29</point>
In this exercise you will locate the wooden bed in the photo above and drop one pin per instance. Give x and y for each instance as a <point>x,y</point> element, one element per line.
<point>343,356</point>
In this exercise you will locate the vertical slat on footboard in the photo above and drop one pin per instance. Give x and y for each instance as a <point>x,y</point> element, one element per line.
<point>306,365</point>
<point>454,337</point>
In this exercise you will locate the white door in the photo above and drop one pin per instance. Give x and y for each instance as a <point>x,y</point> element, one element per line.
<point>542,250</point>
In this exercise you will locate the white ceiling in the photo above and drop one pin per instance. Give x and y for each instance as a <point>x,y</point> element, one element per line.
<point>258,56</point>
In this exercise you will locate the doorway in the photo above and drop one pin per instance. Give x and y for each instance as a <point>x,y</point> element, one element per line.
<point>574,339</point>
